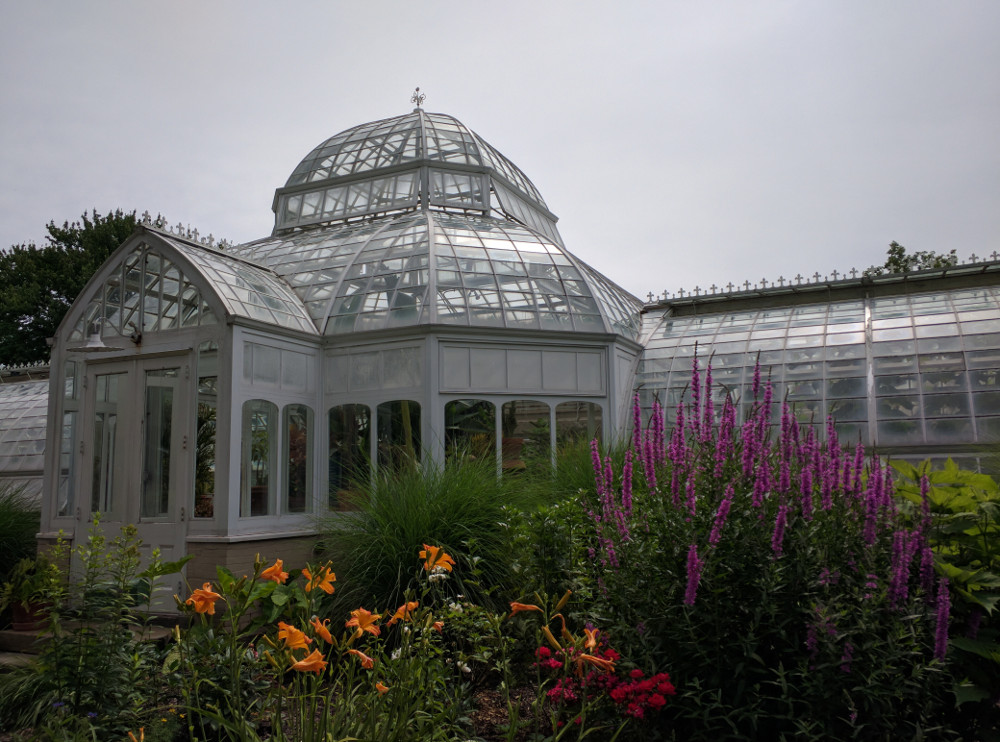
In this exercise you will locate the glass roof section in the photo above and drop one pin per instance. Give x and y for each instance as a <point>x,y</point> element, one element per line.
<point>903,372</point>
<point>23,406</point>
<point>419,160</point>
<point>427,267</point>
<point>150,292</point>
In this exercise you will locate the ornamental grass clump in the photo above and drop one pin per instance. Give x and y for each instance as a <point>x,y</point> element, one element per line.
<point>770,569</point>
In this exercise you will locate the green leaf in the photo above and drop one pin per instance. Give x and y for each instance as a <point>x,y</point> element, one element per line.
<point>989,650</point>
<point>165,568</point>
<point>969,692</point>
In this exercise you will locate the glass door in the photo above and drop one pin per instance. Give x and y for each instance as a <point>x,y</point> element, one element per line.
<point>137,463</point>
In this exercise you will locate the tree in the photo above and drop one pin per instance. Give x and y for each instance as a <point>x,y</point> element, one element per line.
<point>897,261</point>
<point>38,284</point>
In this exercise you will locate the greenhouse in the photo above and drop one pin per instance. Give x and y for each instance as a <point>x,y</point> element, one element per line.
<point>415,302</point>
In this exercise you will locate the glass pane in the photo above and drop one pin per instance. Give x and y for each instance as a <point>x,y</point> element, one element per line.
<point>66,463</point>
<point>577,422</point>
<point>104,441</point>
<point>526,435</point>
<point>259,444</point>
<point>157,448</point>
<point>470,429</point>
<point>204,466</point>
<point>298,478</point>
<point>350,436</point>
<point>398,434</point>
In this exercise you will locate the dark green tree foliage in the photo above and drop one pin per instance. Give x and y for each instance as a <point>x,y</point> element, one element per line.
<point>898,261</point>
<point>38,284</point>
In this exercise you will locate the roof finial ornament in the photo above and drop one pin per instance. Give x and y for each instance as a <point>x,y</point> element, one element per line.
<point>417,98</point>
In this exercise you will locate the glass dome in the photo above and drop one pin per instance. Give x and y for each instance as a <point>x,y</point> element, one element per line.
<point>421,159</point>
<point>428,267</point>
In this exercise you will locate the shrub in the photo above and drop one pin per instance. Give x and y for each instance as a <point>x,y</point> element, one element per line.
<point>460,506</point>
<point>771,574</point>
<point>20,519</point>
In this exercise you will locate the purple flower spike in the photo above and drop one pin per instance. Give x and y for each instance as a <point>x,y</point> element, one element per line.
<point>694,565</point>
<point>779,530</point>
<point>943,616</point>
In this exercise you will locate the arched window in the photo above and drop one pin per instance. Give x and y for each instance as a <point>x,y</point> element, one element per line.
<point>577,421</point>
<point>525,444</point>
<point>298,423</point>
<point>470,428</point>
<point>398,434</point>
<point>349,462</point>
<point>260,454</point>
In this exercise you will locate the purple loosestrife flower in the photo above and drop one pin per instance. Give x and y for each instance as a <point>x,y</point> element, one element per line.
<point>846,657</point>
<point>627,484</point>
<point>595,459</point>
<point>609,478</point>
<point>720,517</point>
<point>871,584</point>
<point>709,414</point>
<point>778,536</point>
<point>755,387</point>
<point>692,498</point>
<point>658,432</point>
<point>784,477</point>
<point>695,419</point>
<point>904,544</point>
<point>859,465</point>
<point>694,565</point>
<point>806,494</point>
<point>761,485</point>
<point>943,611</point>
<point>649,461</point>
<point>926,566</point>
<point>636,420</point>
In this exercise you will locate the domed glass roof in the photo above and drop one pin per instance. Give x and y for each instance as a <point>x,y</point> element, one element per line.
<point>427,267</point>
<point>419,160</point>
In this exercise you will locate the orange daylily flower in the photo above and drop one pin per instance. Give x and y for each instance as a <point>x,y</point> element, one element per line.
<point>591,642</point>
<point>403,612</point>
<point>516,608</point>
<point>598,662</point>
<point>323,580</point>
<point>142,735</point>
<point>294,639</point>
<point>434,557</point>
<point>366,662</point>
<point>438,626</point>
<point>203,599</point>
<point>275,573</point>
<point>313,663</point>
<point>364,621</point>
<point>382,689</point>
<point>321,631</point>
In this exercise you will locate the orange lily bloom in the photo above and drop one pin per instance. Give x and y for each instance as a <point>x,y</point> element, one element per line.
<point>294,639</point>
<point>313,663</point>
<point>598,662</point>
<point>203,599</point>
<point>366,662</point>
<point>439,626</point>
<point>591,642</point>
<point>364,621</point>
<point>321,631</point>
<point>275,573</point>
<point>516,608</point>
<point>434,557</point>
<point>382,689</point>
<point>142,735</point>
<point>324,580</point>
<point>403,612</point>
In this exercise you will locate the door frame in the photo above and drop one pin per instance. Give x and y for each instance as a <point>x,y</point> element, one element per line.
<point>167,529</point>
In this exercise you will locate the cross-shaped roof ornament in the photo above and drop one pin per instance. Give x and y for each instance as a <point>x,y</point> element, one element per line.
<point>417,98</point>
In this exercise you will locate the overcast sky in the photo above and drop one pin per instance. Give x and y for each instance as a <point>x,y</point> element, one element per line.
<point>681,144</point>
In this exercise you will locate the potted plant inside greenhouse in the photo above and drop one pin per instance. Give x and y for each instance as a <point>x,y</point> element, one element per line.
<point>27,592</point>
